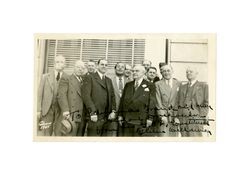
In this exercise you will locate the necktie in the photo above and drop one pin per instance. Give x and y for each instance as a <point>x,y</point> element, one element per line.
<point>79,78</point>
<point>120,85</point>
<point>136,85</point>
<point>58,76</point>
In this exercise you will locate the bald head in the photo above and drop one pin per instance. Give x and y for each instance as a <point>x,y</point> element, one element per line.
<point>147,64</point>
<point>191,73</point>
<point>138,72</point>
<point>59,63</point>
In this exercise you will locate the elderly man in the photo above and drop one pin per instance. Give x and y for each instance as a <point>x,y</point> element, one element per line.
<point>192,105</point>
<point>48,110</point>
<point>71,103</point>
<point>128,73</point>
<point>99,98</point>
<point>167,102</point>
<point>147,64</point>
<point>136,110</point>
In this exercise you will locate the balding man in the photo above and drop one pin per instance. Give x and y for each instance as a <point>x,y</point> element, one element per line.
<point>192,105</point>
<point>136,109</point>
<point>167,102</point>
<point>48,109</point>
<point>71,103</point>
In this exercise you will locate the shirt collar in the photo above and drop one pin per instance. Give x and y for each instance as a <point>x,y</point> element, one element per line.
<point>139,81</point>
<point>100,74</point>
<point>170,81</point>
<point>56,72</point>
<point>192,82</point>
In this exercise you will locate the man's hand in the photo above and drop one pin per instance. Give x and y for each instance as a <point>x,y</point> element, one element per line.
<point>164,120</point>
<point>176,121</point>
<point>120,120</point>
<point>111,116</point>
<point>93,118</point>
<point>66,115</point>
<point>149,123</point>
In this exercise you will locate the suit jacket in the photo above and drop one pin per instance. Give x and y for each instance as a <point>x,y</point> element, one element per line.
<point>70,95</point>
<point>93,91</point>
<point>116,91</point>
<point>139,104</point>
<point>167,98</point>
<point>199,99</point>
<point>46,92</point>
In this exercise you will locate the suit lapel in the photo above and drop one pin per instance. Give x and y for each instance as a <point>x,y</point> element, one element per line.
<point>75,83</point>
<point>194,88</point>
<point>99,80</point>
<point>51,79</point>
<point>140,89</point>
<point>173,90</point>
<point>115,84</point>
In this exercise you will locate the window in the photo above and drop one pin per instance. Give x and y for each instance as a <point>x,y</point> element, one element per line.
<point>128,51</point>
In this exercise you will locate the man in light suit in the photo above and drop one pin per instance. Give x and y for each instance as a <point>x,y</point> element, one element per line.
<point>193,105</point>
<point>136,110</point>
<point>70,101</point>
<point>99,98</point>
<point>167,102</point>
<point>118,82</point>
<point>48,110</point>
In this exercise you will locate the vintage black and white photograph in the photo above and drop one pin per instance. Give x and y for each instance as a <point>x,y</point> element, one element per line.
<point>125,87</point>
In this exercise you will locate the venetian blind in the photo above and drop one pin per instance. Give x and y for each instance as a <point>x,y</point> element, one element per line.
<point>128,51</point>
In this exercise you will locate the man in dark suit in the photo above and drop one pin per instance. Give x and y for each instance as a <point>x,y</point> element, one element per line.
<point>71,103</point>
<point>48,110</point>
<point>118,81</point>
<point>136,109</point>
<point>99,98</point>
<point>167,102</point>
<point>193,105</point>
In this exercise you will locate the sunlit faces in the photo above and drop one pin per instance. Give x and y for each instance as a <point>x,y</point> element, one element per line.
<point>167,72</point>
<point>151,74</point>
<point>80,68</point>
<point>191,73</point>
<point>59,63</point>
<point>91,66</point>
<point>102,66</point>
<point>138,72</point>
<point>120,69</point>
<point>128,70</point>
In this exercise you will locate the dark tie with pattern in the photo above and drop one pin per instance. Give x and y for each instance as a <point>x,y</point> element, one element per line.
<point>120,85</point>
<point>58,76</point>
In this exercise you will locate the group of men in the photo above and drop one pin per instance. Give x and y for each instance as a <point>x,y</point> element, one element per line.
<point>134,102</point>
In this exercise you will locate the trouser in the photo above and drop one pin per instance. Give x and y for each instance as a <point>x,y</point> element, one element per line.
<point>168,129</point>
<point>97,128</point>
<point>47,123</point>
<point>130,129</point>
<point>112,128</point>
<point>188,129</point>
